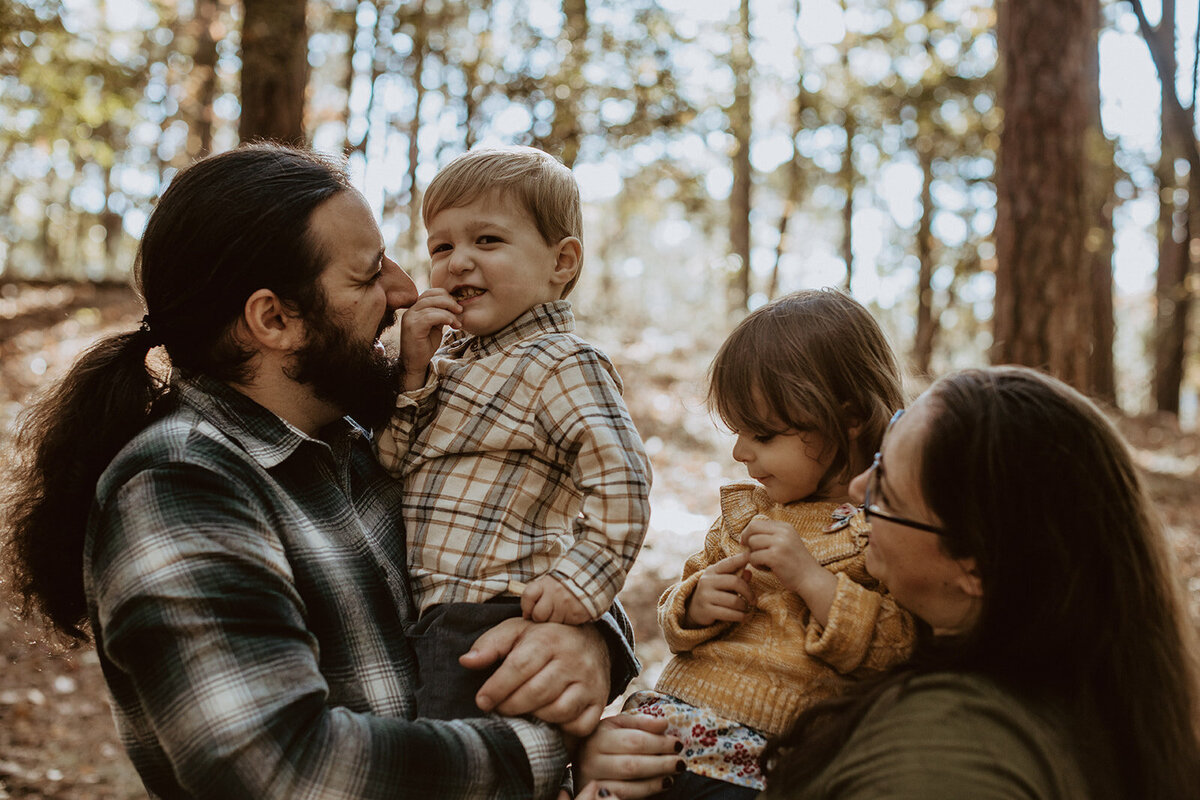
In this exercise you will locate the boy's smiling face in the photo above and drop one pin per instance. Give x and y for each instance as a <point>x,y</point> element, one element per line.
<point>491,258</point>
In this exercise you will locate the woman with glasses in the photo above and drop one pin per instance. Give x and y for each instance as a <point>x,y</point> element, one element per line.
<point>1006,514</point>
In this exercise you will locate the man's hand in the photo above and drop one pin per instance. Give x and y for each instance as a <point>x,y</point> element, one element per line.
<point>558,673</point>
<point>547,600</point>
<point>722,593</point>
<point>421,332</point>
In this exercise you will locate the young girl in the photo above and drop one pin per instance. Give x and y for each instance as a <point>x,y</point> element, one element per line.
<point>778,612</point>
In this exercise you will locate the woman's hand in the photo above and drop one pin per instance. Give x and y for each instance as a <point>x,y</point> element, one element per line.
<point>629,756</point>
<point>593,791</point>
<point>722,593</point>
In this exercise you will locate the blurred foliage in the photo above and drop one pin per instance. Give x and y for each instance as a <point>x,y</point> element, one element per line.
<point>883,107</point>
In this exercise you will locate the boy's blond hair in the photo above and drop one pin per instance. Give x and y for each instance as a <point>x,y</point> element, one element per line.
<point>537,180</point>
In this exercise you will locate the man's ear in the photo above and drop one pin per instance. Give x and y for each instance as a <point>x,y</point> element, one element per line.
<point>568,258</point>
<point>270,323</point>
<point>970,582</point>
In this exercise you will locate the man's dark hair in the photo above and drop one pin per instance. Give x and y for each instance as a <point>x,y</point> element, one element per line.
<point>227,226</point>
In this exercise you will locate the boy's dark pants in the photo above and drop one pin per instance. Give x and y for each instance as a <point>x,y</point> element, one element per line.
<point>446,689</point>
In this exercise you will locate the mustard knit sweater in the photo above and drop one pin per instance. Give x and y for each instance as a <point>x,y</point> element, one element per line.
<point>777,661</point>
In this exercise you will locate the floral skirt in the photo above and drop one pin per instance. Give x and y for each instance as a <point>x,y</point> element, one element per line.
<point>713,746</point>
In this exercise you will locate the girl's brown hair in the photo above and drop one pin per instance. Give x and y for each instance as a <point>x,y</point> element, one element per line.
<point>815,361</point>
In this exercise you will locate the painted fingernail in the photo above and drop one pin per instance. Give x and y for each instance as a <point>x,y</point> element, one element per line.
<point>679,747</point>
<point>667,782</point>
<point>680,766</point>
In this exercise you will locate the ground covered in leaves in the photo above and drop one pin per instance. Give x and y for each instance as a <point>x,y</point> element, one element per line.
<point>56,733</point>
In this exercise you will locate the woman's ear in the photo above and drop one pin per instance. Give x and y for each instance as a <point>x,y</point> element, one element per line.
<point>970,582</point>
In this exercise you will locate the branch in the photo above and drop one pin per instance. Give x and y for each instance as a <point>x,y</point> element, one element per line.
<point>1181,119</point>
<point>1195,64</point>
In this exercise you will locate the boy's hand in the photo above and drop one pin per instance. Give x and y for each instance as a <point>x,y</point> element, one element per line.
<point>547,600</point>
<point>777,547</point>
<point>421,332</point>
<point>722,594</point>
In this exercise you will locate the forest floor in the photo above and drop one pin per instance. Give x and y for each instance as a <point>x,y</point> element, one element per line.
<point>56,733</point>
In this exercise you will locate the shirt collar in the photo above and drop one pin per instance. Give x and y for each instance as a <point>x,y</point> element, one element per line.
<point>264,435</point>
<point>552,317</point>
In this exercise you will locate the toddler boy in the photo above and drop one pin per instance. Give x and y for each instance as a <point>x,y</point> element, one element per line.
<point>524,475</point>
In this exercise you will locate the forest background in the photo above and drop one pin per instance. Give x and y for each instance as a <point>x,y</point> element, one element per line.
<point>1015,181</point>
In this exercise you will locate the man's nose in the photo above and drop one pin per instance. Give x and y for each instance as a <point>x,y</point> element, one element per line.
<point>399,287</point>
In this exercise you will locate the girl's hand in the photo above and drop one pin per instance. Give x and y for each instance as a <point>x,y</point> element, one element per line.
<point>722,593</point>
<point>421,332</point>
<point>777,547</point>
<point>629,756</point>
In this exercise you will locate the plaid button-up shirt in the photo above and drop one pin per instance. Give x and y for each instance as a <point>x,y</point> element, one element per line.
<point>248,597</point>
<point>519,459</point>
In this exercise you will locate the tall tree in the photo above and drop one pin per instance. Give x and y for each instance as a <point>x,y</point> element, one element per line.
<point>566,131</point>
<point>274,70</point>
<point>740,128</point>
<point>203,78</point>
<point>1100,176</point>
<point>1043,313</point>
<point>793,174</point>
<point>848,175</point>
<point>1175,230</point>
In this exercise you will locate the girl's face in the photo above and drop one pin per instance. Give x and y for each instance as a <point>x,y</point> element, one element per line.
<point>789,465</point>
<point>942,590</point>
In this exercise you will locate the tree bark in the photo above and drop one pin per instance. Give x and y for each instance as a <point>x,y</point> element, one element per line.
<point>274,70</point>
<point>1176,253</point>
<point>202,83</point>
<point>565,133</point>
<point>740,126</point>
<point>1043,304</point>
<point>922,352</point>
<point>848,180</point>
<point>1100,177</point>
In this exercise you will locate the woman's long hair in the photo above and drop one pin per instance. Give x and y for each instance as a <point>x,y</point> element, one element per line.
<point>1081,615</point>
<point>225,227</point>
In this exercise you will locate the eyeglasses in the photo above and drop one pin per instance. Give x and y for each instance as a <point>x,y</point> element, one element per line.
<point>874,479</point>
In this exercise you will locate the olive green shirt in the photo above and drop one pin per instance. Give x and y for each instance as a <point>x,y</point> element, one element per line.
<point>948,736</point>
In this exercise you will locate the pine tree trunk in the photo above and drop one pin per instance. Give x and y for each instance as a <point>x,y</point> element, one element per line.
<point>740,127</point>
<point>203,80</point>
<point>274,70</point>
<point>1043,305</point>
<point>1100,176</point>
<point>922,352</point>
<point>1173,238</point>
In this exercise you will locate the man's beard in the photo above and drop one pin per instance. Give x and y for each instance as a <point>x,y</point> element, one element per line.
<point>352,375</point>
